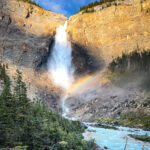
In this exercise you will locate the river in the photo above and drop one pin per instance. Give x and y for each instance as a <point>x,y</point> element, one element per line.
<point>110,138</point>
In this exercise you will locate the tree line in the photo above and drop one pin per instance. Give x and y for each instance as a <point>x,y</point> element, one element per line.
<point>96,3</point>
<point>30,125</point>
<point>138,60</point>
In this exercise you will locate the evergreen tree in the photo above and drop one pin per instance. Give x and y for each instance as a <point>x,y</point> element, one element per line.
<point>22,105</point>
<point>6,109</point>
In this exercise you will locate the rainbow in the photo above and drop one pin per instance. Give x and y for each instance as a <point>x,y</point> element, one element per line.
<point>78,83</point>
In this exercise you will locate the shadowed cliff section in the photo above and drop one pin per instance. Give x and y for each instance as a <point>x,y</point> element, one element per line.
<point>84,62</point>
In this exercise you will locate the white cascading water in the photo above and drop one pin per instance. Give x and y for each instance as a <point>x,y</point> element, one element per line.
<point>60,63</point>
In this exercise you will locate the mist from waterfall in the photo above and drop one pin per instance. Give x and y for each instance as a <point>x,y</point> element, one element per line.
<point>60,65</point>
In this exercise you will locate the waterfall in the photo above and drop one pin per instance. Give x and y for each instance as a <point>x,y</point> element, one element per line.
<point>60,65</point>
<point>65,109</point>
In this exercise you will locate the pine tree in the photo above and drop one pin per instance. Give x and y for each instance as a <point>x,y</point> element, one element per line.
<point>22,108</point>
<point>6,109</point>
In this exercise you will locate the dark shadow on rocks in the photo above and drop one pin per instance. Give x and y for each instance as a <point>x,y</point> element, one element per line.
<point>84,62</point>
<point>44,59</point>
<point>21,48</point>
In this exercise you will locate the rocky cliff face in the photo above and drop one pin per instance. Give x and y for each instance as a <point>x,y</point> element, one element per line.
<point>109,32</point>
<point>26,33</point>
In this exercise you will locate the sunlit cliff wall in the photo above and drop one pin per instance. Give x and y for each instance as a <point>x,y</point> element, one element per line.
<point>109,32</point>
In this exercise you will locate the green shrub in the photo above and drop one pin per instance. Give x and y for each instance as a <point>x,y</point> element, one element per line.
<point>135,119</point>
<point>145,138</point>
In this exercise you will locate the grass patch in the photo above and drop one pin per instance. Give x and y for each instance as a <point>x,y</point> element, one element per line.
<point>137,119</point>
<point>144,138</point>
<point>105,126</point>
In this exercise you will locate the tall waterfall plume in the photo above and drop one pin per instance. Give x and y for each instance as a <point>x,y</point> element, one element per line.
<point>60,64</point>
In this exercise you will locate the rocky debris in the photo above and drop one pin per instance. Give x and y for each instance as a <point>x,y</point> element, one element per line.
<point>50,98</point>
<point>104,148</point>
<point>83,125</point>
<point>107,103</point>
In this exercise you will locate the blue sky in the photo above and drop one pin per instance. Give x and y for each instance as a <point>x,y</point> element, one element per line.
<point>66,7</point>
